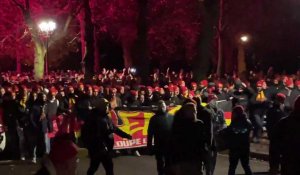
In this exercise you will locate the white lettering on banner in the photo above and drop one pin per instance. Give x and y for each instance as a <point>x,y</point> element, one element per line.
<point>127,143</point>
<point>144,141</point>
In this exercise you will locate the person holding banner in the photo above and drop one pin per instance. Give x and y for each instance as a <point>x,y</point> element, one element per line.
<point>159,129</point>
<point>98,137</point>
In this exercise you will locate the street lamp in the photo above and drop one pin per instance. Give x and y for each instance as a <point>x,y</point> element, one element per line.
<point>47,28</point>
<point>244,39</point>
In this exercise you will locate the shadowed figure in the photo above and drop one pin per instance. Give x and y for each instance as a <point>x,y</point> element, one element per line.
<point>287,139</point>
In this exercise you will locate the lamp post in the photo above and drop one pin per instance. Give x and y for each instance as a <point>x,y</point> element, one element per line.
<point>243,40</point>
<point>47,28</point>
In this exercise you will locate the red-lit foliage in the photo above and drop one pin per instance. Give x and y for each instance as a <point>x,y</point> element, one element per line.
<point>173,30</point>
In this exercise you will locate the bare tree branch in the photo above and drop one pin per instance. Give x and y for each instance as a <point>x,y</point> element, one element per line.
<point>74,38</point>
<point>19,5</point>
<point>67,23</point>
<point>23,36</point>
<point>78,10</point>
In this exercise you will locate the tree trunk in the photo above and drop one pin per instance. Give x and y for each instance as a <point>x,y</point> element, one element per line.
<point>39,62</point>
<point>39,47</point>
<point>96,53</point>
<point>202,64</point>
<point>87,40</point>
<point>241,60</point>
<point>140,59</point>
<point>127,56</point>
<point>18,59</point>
<point>220,34</point>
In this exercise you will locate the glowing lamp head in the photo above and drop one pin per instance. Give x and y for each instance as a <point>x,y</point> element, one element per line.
<point>244,39</point>
<point>47,26</point>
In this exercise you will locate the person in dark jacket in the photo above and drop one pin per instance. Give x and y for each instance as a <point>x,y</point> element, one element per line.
<point>258,105</point>
<point>22,124</point>
<point>209,156</point>
<point>159,129</point>
<point>187,141</point>
<point>239,141</point>
<point>39,126</point>
<point>274,115</point>
<point>63,108</point>
<point>10,121</point>
<point>241,95</point>
<point>286,137</point>
<point>51,113</point>
<point>98,137</point>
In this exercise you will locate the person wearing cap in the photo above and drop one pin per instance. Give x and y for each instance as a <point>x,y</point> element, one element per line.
<point>240,94</point>
<point>258,105</point>
<point>286,137</point>
<point>221,94</point>
<point>273,88</point>
<point>51,113</point>
<point>238,138</point>
<point>175,98</point>
<point>62,159</point>
<point>84,103</point>
<point>95,96</point>
<point>133,99</point>
<point>97,135</point>
<point>149,95</point>
<point>63,107</point>
<point>160,130</point>
<point>202,88</point>
<point>194,86</point>
<point>287,91</point>
<point>274,115</point>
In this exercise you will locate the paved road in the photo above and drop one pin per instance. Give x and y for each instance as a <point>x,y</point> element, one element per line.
<point>127,165</point>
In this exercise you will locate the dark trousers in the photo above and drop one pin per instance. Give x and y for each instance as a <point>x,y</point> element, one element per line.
<point>274,157</point>
<point>100,157</point>
<point>36,143</point>
<point>234,157</point>
<point>162,163</point>
<point>12,146</point>
<point>258,121</point>
<point>210,159</point>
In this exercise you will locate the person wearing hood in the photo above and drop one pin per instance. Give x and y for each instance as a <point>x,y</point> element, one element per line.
<point>239,140</point>
<point>286,137</point>
<point>97,133</point>
<point>159,129</point>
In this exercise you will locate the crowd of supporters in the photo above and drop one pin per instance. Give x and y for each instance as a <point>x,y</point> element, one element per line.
<point>30,106</point>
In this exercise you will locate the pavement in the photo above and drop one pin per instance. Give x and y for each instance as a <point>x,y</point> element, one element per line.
<point>129,165</point>
<point>260,150</point>
<point>145,165</point>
